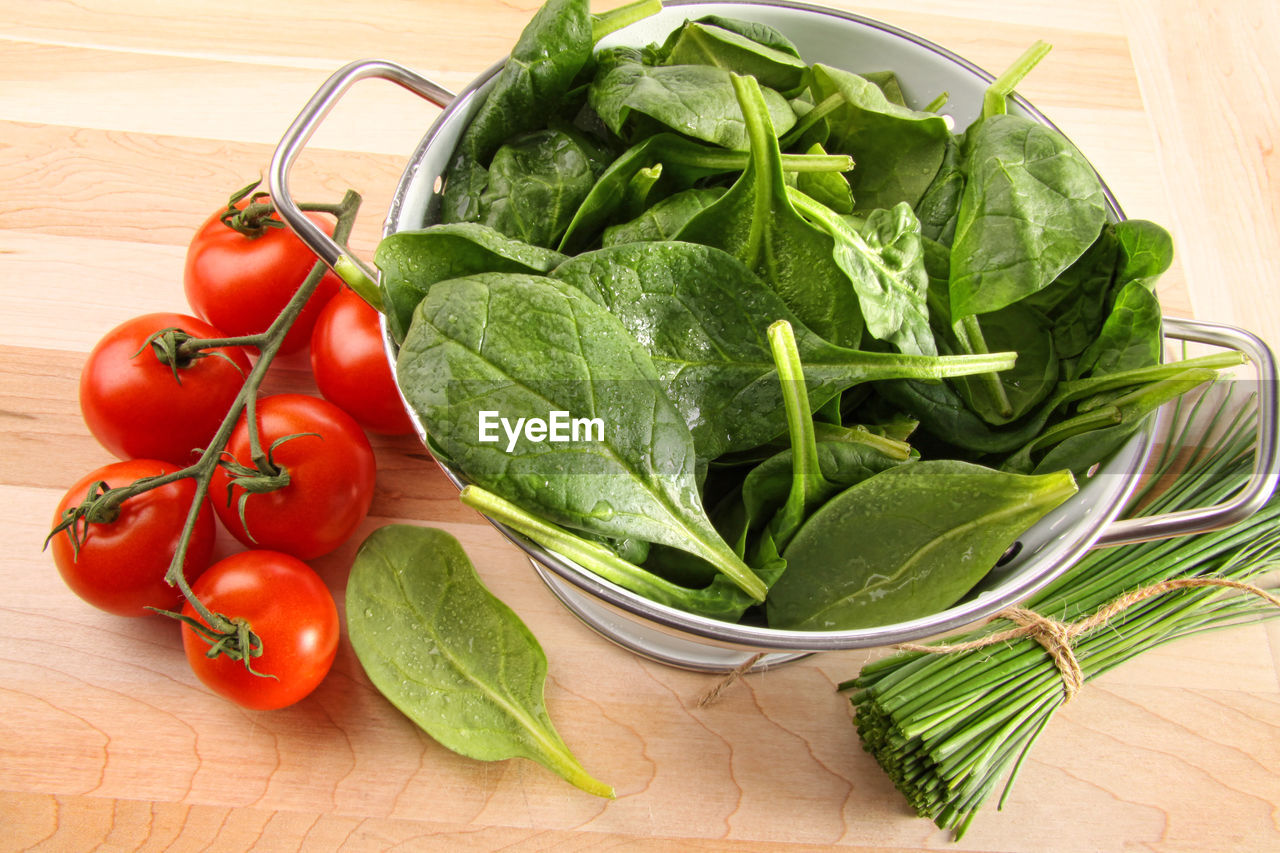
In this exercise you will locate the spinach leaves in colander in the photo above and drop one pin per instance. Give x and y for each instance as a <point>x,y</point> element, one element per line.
<point>681,199</point>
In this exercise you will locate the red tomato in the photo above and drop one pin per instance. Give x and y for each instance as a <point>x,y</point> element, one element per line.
<point>351,367</point>
<point>135,407</point>
<point>120,565</point>
<point>241,284</point>
<point>290,609</point>
<point>331,478</point>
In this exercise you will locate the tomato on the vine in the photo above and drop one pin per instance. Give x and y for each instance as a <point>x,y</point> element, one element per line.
<point>241,283</point>
<point>323,468</point>
<point>139,406</point>
<point>290,610</point>
<point>119,565</point>
<point>351,368</point>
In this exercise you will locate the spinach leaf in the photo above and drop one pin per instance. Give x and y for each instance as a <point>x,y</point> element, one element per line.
<point>943,414</point>
<point>703,317</point>
<point>695,100</point>
<point>683,163</point>
<point>1076,302</point>
<point>938,207</point>
<point>888,83</point>
<point>884,260</point>
<point>411,261</point>
<point>905,543</point>
<point>536,183</point>
<point>719,599</point>
<point>451,656</point>
<point>702,43</point>
<point>898,150</point>
<point>1079,442</point>
<point>664,219</point>
<point>1031,206</point>
<point>1146,250</point>
<point>522,346</point>
<point>759,33</point>
<point>756,222</point>
<point>551,51</point>
<point>1131,335</point>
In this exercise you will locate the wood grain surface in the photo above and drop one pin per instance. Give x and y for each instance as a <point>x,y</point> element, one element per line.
<point>123,123</point>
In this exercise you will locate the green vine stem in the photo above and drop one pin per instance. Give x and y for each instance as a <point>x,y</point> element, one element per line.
<point>231,637</point>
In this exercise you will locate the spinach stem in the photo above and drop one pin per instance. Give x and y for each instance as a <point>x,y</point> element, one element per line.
<point>995,99</point>
<point>969,333</point>
<point>615,19</point>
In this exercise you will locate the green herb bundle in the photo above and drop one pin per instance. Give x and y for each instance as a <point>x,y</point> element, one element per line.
<point>948,727</point>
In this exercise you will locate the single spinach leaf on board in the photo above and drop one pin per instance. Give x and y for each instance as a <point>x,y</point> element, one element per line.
<point>756,222</point>
<point>449,655</point>
<point>898,150</point>
<point>551,51</point>
<point>536,183</point>
<point>1031,206</point>
<point>695,100</point>
<point>701,43</point>
<point>703,317</point>
<point>410,262</point>
<point>664,219</point>
<point>521,346</point>
<point>683,162</point>
<point>907,542</point>
<point>884,260</point>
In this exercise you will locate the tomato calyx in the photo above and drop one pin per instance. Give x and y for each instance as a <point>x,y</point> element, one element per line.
<point>255,217</point>
<point>232,637</point>
<point>101,505</point>
<point>262,476</point>
<point>178,350</point>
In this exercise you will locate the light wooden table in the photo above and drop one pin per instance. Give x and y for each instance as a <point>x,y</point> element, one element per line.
<point>123,124</point>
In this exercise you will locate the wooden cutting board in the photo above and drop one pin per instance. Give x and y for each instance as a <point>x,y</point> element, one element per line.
<point>124,124</point>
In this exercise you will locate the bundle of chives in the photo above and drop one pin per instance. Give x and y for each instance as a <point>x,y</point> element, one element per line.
<point>948,727</point>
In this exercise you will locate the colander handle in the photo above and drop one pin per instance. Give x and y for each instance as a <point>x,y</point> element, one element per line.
<point>1266,466</point>
<point>296,137</point>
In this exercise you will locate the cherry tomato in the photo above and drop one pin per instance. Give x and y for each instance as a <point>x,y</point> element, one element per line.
<point>241,284</point>
<point>330,468</point>
<point>351,367</point>
<point>120,565</point>
<point>287,606</point>
<point>134,405</point>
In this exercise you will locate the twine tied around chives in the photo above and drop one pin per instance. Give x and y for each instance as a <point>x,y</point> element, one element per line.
<point>1057,637</point>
